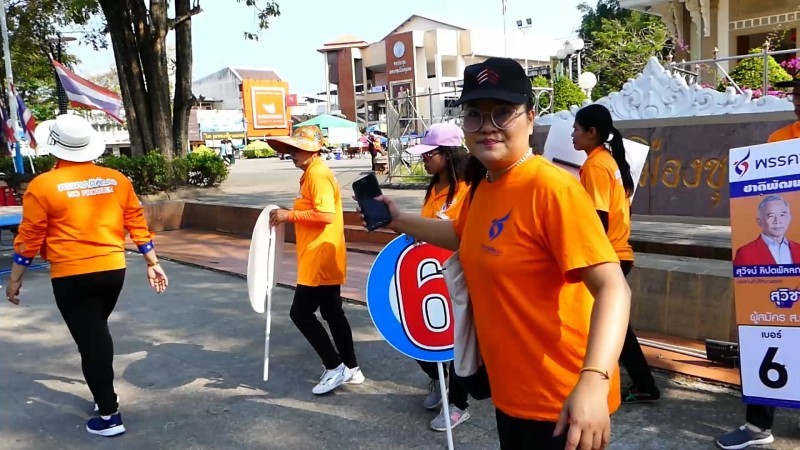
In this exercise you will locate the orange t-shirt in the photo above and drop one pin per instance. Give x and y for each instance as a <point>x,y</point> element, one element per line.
<point>76,215</point>
<point>791,131</point>
<point>522,238</point>
<point>601,178</point>
<point>321,251</point>
<point>436,207</point>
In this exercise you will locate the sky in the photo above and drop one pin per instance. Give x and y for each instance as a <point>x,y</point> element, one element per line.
<point>289,46</point>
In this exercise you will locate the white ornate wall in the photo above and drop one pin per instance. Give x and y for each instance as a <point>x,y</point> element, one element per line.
<point>656,94</point>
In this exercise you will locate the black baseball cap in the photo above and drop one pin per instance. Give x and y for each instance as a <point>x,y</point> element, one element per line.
<point>789,84</point>
<point>496,79</point>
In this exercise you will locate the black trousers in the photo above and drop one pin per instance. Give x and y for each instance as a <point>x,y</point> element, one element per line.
<point>524,434</point>
<point>328,299</point>
<point>85,302</point>
<point>760,416</point>
<point>456,394</point>
<point>632,356</point>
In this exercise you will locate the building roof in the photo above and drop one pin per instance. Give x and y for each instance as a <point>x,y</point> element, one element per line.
<point>344,41</point>
<point>416,16</point>
<point>255,74</point>
<point>242,74</point>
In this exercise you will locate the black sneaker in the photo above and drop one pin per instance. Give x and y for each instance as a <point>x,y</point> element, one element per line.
<point>632,394</point>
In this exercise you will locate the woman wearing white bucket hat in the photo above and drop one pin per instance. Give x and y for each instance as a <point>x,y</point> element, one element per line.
<point>76,216</point>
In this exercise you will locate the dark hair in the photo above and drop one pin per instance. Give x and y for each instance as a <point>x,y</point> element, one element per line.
<point>598,117</point>
<point>475,171</point>
<point>455,159</point>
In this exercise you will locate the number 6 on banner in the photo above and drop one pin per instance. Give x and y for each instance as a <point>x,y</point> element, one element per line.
<point>423,302</point>
<point>769,364</point>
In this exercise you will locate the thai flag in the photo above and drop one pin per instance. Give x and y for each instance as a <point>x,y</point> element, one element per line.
<point>83,93</point>
<point>26,118</point>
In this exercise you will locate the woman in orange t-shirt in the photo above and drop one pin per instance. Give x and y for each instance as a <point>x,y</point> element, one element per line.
<point>606,176</point>
<point>549,299</point>
<point>445,158</point>
<point>75,216</point>
<point>318,221</point>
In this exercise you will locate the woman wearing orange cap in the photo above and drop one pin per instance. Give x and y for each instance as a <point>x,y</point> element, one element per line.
<point>318,221</point>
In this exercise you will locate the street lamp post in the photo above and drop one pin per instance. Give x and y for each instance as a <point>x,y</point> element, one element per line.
<point>63,102</point>
<point>524,28</point>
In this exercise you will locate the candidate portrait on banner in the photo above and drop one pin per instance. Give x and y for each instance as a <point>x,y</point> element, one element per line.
<point>772,246</point>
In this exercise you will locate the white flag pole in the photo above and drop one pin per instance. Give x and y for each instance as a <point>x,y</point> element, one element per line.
<point>445,405</point>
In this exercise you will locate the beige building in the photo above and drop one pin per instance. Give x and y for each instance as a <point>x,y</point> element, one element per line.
<point>731,26</point>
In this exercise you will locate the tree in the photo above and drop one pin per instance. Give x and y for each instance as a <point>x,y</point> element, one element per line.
<point>138,35</point>
<point>31,24</point>
<point>749,73</point>
<point>566,93</point>
<point>621,43</point>
<point>611,32</point>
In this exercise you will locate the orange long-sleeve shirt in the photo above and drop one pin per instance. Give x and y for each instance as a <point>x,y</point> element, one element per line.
<point>76,215</point>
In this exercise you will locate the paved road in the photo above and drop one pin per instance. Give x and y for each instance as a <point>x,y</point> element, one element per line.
<point>259,182</point>
<point>188,367</point>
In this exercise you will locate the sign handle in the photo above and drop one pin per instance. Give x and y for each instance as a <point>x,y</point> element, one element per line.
<point>445,405</point>
<point>273,246</point>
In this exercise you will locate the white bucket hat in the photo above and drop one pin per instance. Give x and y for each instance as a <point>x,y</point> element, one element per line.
<point>71,138</point>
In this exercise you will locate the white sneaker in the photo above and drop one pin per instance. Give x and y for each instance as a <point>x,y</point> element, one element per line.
<point>97,408</point>
<point>330,380</point>
<point>354,375</point>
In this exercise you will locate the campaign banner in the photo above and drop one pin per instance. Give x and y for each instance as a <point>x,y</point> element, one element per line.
<point>408,301</point>
<point>764,190</point>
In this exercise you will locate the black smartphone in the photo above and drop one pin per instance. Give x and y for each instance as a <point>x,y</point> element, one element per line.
<point>376,214</point>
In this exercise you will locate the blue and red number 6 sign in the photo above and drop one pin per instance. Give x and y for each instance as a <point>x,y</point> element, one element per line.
<point>408,301</point>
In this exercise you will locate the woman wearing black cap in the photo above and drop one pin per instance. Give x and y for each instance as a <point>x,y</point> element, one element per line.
<point>549,298</point>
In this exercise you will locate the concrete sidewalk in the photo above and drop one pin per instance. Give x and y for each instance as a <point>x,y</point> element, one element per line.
<point>188,368</point>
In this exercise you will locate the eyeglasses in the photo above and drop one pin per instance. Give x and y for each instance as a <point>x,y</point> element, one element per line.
<point>502,117</point>
<point>428,155</point>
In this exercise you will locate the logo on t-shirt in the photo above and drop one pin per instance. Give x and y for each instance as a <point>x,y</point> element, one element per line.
<point>496,229</point>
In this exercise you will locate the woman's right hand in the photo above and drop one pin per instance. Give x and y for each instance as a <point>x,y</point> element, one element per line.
<point>394,211</point>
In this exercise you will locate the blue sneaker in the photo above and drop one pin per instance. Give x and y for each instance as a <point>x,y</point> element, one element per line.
<point>744,437</point>
<point>106,427</point>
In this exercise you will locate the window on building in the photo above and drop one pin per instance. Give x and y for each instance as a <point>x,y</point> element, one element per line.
<point>787,40</point>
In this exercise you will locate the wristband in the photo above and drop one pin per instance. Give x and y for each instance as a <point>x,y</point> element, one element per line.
<point>146,247</point>
<point>602,372</point>
<point>22,260</point>
<point>153,264</point>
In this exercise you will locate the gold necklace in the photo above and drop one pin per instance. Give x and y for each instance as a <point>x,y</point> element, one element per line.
<point>520,161</point>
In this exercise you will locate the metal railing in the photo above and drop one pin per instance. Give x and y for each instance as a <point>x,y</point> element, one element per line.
<point>683,67</point>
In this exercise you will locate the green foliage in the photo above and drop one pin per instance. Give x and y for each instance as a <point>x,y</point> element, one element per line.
<point>750,72</point>
<point>622,41</point>
<point>150,173</point>
<point>31,24</point>
<point>259,153</point>
<point>205,169</point>
<point>540,81</point>
<point>566,94</point>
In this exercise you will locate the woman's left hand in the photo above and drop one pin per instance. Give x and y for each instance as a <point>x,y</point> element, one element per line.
<point>278,216</point>
<point>585,416</point>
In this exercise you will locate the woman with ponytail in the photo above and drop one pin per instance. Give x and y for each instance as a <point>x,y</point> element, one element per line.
<point>606,176</point>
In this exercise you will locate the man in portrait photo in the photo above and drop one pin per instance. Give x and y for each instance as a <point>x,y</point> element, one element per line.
<point>771,247</point>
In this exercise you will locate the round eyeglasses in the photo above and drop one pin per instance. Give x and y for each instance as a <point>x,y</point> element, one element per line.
<point>502,116</point>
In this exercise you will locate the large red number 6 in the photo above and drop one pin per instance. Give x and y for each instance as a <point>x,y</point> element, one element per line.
<point>423,300</point>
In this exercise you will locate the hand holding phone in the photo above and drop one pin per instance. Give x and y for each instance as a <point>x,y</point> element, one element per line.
<point>376,213</point>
